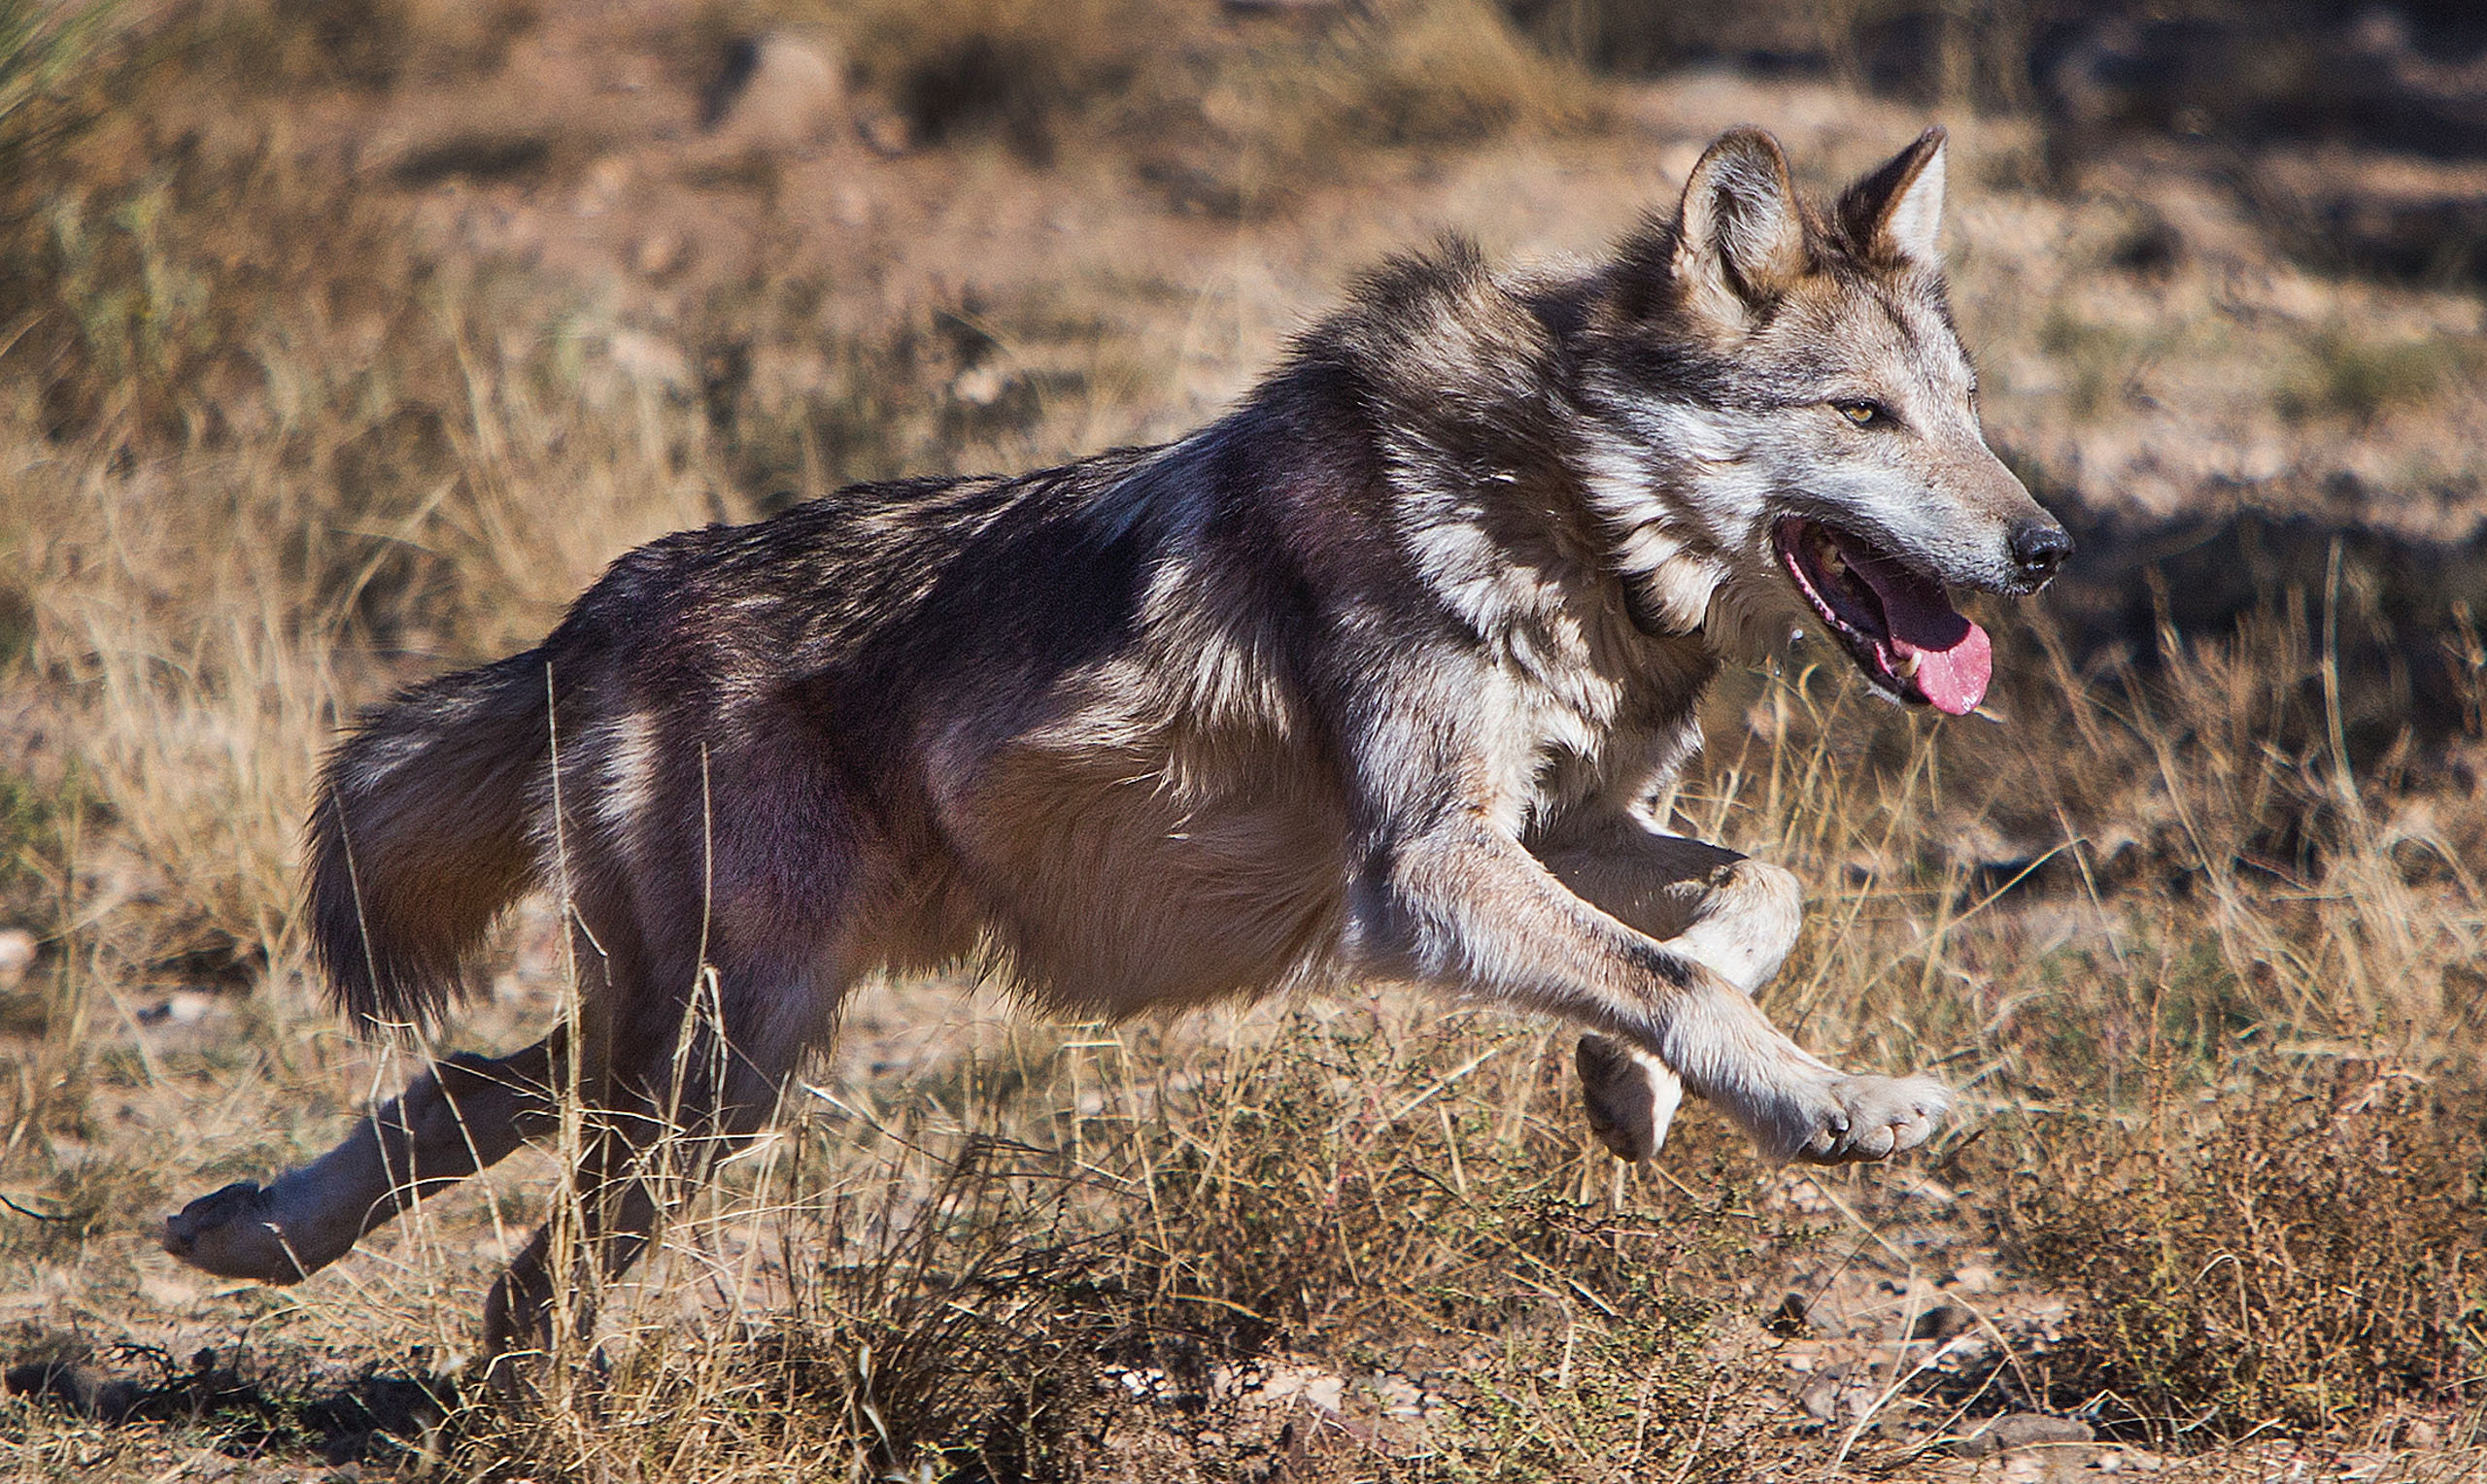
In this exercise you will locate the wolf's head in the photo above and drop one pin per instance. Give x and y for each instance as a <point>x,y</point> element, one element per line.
<point>1783,425</point>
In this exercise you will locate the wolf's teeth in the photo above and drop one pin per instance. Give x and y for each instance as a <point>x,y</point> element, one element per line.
<point>1832,565</point>
<point>1907,669</point>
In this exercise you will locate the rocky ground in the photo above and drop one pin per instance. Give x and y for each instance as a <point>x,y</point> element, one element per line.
<point>745,249</point>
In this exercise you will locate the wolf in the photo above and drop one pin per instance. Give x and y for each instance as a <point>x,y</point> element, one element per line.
<point>1374,677</point>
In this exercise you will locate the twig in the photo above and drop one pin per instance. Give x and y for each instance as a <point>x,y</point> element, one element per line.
<point>36,1215</point>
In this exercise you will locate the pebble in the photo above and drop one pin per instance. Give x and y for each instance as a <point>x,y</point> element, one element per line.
<point>18,949</point>
<point>658,254</point>
<point>2022,1429</point>
<point>885,132</point>
<point>777,91</point>
<point>181,1007</point>
<point>1401,1396</point>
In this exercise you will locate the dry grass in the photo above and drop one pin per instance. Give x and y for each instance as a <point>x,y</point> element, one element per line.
<point>2306,1260</point>
<point>1227,115</point>
<point>2200,944</point>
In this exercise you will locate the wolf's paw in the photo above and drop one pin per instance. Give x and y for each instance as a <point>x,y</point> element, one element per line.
<point>233,1233</point>
<point>1631,1099</point>
<point>1873,1117</point>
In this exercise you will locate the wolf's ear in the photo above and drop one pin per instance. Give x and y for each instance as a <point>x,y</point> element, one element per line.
<point>1742,238</point>
<point>1897,210</point>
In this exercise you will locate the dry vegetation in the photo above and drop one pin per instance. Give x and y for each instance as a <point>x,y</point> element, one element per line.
<point>325,362</point>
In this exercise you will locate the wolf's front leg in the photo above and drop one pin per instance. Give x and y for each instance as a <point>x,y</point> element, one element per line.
<point>1467,904</point>
<point>1737,916</point>
<point>463,1114</point>
<point>1732,914</point>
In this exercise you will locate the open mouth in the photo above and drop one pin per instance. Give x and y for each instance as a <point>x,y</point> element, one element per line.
<point>1900,627</point>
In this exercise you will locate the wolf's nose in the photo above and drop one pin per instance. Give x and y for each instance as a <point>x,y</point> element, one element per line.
<point>2038,548</point>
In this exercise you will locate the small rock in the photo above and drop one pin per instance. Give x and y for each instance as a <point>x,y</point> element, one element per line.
<point>657,254</point>
<point>1942,1321</point>
<point>776,89</point>
<point>980,386</point>
<point>167,1287</point>
<point>653,362</point>
<point>1801,1195</point>
<point>1286,1383</point>
<point>18,949</point>
<point>885,132</point>
<point>182,1007</point>
<point>1820,1396</point>
<point>2022,1429</point>
<point>1401,1395</point>
<point>1966,1352</point>
<point>2422,1434</point>
<point>1974,1278</point>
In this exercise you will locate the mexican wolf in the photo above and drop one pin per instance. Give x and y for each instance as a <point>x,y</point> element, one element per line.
<point>1374,677</point>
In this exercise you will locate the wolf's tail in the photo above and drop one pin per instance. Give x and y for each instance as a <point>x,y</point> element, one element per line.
<point>423,833</point>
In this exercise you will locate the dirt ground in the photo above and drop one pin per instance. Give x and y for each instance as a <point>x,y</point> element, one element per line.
<point>650,280</point>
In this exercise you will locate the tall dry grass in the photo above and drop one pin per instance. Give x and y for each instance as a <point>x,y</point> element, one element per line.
<point>2205,972</point>
<point>1253,104</point>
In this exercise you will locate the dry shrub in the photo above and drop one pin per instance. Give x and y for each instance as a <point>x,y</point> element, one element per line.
<point>192,619</point>
<point>1269,95</point>
<point>2202,955</point>
<point>265,459</point>
<point>46,47</point>
<point>1413,72</point>
<point>1640,36</point>
<point>1020,68</point>
<point>2236,835</point>
<point>2280,1257</point>
<point>274,47</point>
<point>2358,377</point>
<point>1103,1267</point>
<point>1954,52</point>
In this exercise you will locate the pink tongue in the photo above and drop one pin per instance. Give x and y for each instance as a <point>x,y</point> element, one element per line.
<point>1955,658</point>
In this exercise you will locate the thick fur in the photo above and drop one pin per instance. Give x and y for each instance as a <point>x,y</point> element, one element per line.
<point>420,836</point>
<point>1374,677</point>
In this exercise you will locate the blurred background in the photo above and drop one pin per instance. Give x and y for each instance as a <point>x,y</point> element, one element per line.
<point>343,343</point>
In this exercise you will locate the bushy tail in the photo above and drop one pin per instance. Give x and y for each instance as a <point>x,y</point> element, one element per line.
<point>422,834</point>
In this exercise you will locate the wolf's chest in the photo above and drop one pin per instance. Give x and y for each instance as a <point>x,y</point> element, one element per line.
<point>1561,735</point>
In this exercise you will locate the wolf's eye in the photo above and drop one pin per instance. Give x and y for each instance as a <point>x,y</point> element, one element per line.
<point>1864,414</point>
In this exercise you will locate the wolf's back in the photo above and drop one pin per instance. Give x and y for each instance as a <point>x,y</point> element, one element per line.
<point>422,833</point>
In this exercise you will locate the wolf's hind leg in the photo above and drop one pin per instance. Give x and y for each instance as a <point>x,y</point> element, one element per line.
<point>654,1134</point>
<point>1736,916</point>
<point>462,1115</point>
<point>1631,1095</point>
<point>611,1216</point>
